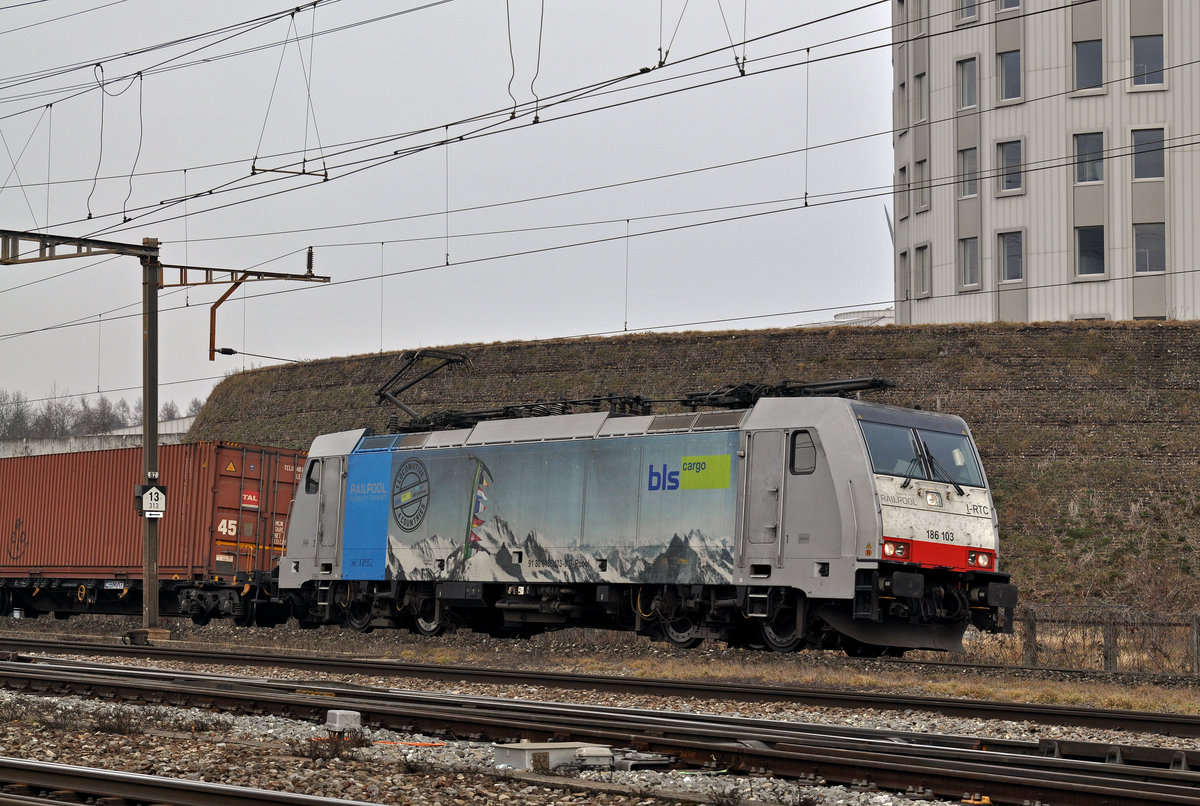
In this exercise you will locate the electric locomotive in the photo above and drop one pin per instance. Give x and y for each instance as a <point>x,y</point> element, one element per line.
<point>793,522</point>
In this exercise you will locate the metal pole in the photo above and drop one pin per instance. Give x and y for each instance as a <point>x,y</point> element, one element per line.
<point>151,279</point>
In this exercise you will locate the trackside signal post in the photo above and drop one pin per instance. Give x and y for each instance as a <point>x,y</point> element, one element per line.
<point>150,497</point>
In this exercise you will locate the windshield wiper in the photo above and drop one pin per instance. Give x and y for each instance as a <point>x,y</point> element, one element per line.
<point>914,464</point>
<point>939,470</point>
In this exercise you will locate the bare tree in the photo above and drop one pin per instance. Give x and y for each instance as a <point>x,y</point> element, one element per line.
<point>16,417</point>
<point>194,407</point>
<point>55,416</point>
<point>170,411</point>
<point>97,418</point>
<point>123,412</point>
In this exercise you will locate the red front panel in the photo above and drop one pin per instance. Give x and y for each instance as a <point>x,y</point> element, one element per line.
<point>939,555</point>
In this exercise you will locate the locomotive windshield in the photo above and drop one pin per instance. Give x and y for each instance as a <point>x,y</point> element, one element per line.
<point>919,453</point>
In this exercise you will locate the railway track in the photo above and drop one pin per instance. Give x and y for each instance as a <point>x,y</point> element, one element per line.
<point>36,782</point>
<point>1131,721</point>
<point>921,765</point>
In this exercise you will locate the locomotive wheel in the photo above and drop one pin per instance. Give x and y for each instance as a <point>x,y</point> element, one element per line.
<point>202,618</point>
<point>779,633</point>
<point>358,617</point>
<point>425,621</point>
<point>682,633</point>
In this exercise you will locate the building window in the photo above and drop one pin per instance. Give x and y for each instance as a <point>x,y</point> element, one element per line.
<point>1089,64</point>
<point>1008,157</point>
<point>920,98</point>
<point>1012,257</point>
<point>967,84</point>
<point>901,107</point>
<point>967,9</point>
<point>921,181</point>
<point>923,270</point>
<point>1148,154</point>
<point>902,192</point>
<point>1009,68</point>
<point>968,262</point>
<point>1149,248</point>
<point>1147,56</point>
<point>1089,157</point>
<point>1089,246</point>
<point>968,172</point>
<point>920,12</point>
<point>1009,5</point>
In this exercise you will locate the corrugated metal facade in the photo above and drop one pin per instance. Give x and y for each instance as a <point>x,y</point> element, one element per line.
<point>73,515</point>
<point>932,37</point>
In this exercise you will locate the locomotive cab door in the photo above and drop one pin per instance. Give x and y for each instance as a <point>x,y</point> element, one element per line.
<point>762,500</point>
<point>315,523</point>
<point>790,507</point>
<point>329,514</point>
<point>812,513</point>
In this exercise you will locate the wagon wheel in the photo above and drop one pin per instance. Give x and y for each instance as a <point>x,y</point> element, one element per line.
<point>682,632</point>
<point>246,617</point>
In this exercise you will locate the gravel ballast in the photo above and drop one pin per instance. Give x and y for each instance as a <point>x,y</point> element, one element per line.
<point>275,753</point>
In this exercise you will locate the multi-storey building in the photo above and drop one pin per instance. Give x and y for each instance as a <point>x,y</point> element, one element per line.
<point>1047,159</point>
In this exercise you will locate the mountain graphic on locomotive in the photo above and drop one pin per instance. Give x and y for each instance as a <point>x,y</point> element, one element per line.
<point>801,520</point>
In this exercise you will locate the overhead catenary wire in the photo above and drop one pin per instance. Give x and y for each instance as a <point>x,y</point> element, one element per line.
<point>882,192</point>
<point>1051,95</point>
<point>802,150</point>
<point>840,196</point>
<point>596,91</point>
<point>488,131</point>
<point>59,18</point>
<point>15,162</point>
<point>211,191</point>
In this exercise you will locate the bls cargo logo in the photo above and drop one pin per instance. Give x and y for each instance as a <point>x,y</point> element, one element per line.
<point>694,473</point>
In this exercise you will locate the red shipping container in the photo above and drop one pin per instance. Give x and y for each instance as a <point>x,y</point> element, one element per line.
<point>73,515</point>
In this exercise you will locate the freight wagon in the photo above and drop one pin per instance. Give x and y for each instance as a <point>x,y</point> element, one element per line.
<point>74,539</point>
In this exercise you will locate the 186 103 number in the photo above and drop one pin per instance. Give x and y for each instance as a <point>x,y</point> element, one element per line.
<point>944,537</point>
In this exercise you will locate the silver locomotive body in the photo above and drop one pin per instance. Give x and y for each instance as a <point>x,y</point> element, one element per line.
<point>798,522</point>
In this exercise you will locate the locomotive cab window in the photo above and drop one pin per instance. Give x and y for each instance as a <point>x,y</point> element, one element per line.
<point>804,454</point>
<point>894,450</point>
<point>312,479</point>
<point>920,453</point>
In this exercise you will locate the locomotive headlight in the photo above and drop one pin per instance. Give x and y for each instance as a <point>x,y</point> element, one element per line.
<point>889,549</point>
<point>895,549</point>
<point>933,499</point>
<point>979,558</point>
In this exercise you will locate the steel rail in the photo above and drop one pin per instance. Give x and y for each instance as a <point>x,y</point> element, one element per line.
<point>1181,725</point>
<point>790,750</point>
<point>47,777</point>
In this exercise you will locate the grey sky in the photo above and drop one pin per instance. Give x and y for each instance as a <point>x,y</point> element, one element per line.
<point>425,71</point>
